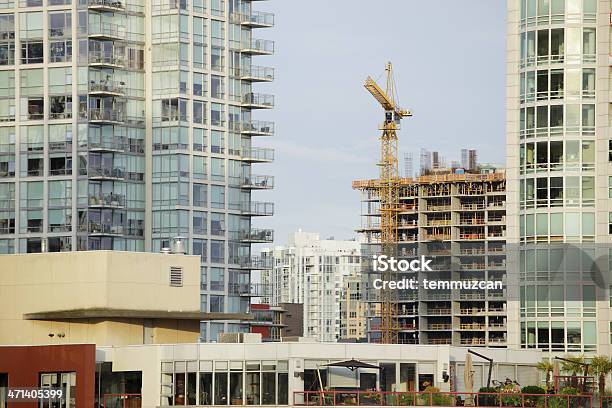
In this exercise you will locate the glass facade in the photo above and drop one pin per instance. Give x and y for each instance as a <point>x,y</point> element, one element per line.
<point>126,123</point>
<point>557,172</point>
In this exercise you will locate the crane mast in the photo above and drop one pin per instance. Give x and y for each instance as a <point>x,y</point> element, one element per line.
<point>388,192</point>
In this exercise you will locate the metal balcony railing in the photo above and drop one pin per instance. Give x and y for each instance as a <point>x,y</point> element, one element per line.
<point>257,100</point>
<point>257,182</point>
<point>256,208</point>
<point>258,154</point>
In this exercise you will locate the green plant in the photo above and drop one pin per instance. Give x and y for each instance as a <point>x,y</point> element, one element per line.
<point>569,391</point>
<point>405,399</point>
<point>488,400</point>
<point>547,367</point>
<point>574,365</point>
<point>601,366</point>
<point>533,400</point>
<point>437,398</point>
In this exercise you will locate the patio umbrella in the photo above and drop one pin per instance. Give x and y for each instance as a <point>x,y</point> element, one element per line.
<point>353,365</point>
<point>468,378</point>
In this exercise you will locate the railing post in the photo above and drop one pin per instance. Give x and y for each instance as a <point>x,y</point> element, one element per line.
<point>431,399</point>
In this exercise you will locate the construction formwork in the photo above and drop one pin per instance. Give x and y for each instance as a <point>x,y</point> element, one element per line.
<point>459,221</point>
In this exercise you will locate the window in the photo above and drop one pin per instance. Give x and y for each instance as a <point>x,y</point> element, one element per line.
<point>31,33</point>
<point>217,224</point>
<point>199,223</point>
<point>200,195</point>
<point>32,100</point>
<point>199,248</point>
<point>199,140</point>
<point>199,112</point>
<point>7,152</point>
<point>7,39</point>
<point>60,32</point>
<point>217,251</point>
<point>217,303</point>
<point>217,279</point>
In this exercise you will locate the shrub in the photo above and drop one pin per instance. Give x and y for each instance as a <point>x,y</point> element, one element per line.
<point>488,400</point>
<point>437,399</point>
<point>533,389</point>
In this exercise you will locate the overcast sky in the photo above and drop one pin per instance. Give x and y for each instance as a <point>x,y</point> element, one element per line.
<point>449,60</point>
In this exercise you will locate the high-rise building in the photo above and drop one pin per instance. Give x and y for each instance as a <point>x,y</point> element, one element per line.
<point>352,309</point>
<point>408,165</point>
<point>126,123</point>
<point>559,172</point>
<point>425,161</point>
<point>459,221</point>
<point>311,271</point>
<point>469,159</point>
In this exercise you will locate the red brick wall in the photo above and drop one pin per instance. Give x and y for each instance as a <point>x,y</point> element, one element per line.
<point>25,363</point>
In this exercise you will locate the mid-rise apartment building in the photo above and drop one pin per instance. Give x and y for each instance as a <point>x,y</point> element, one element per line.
<point>559,169</point>
<point>459,221</point>
<point>311,271</point>
<point>127,123</point>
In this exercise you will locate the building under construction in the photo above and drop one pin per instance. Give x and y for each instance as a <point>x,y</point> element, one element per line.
<point>459,221</point>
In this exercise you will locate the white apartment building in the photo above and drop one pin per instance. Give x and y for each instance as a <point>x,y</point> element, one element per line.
<point>311,270</point>
<point>559,174</point>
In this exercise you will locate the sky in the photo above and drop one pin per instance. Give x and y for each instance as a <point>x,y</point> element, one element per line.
<point>449,63</point>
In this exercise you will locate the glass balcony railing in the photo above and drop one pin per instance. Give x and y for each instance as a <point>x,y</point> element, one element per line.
<point>107,115</point>
<point>257,208</point>
<point>258,127</point>
<point>256,235</point>
<point>257,100</point>
<point>258,155</point>
<point>255,262</point>
<point>105,229</point>
<point>257,19</point>
<point>106,58</point>
<point>107,200</point>
<point>255,73</point>
<point>258,47</point>
<point>115,144</point>
<point>258,182</point>
<point>107,4</point>
<point>249,289</point>
<point>106,172</point>
<point>107,30</point>
<point>107,86</point>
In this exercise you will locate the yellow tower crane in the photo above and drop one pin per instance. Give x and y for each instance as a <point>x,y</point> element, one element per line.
<point>388,189</point>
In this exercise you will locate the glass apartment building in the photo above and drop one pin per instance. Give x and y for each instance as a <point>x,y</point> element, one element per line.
<point>559,172</point>
<point>127,123</point>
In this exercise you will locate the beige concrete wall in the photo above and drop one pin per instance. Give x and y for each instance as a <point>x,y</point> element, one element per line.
<point>37,283</point>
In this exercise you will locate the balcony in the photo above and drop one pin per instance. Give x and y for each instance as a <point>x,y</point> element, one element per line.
<point>258,155</point>
<point>257,101</point>
<point>257,19</point>
<point>106,31</point>
<point>99,229</point>
<point>256,73</point>
<point>257,236</point>
<point>106,60</point>
<point>106,116</point>
<point>477,341</point>
<point>110,200</point>
<point>103,172</point>
<point>249,289</point>
<point>107,87</point>
<point>255,263</point>
<point>257,209</point>
<point>106,5</point>
<point>258,47</point>
<point>112,145</point>
<point>255,182</point>
<point>257,128</point>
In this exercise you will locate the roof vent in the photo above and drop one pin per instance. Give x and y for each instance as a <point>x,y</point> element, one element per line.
<point>177,245</point>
